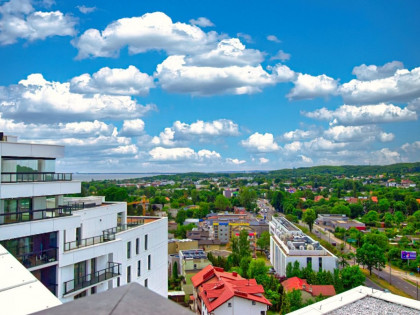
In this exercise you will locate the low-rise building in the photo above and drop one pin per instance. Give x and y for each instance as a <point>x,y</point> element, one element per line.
<point>289,244</point>
<point>339,221</point>
<point>218,292</point>
<point>308,291</point>
<point>175,245</point>
<point>191,262</point>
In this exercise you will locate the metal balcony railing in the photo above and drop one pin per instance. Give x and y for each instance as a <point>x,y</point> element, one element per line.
<point>38,258</point>
<point>13,177</point>
<point>113,270</point>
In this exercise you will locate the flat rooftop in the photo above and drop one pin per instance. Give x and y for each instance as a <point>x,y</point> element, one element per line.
<point>194,254</point>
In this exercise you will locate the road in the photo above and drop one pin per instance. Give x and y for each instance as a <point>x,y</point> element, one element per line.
<point>396,278</point>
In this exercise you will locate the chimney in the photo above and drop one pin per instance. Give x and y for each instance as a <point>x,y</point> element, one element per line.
<point>234,274</point>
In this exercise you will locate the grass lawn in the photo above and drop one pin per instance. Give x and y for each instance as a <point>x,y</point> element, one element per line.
<point>384,284</point>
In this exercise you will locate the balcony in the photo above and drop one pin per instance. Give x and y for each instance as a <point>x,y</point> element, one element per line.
<point>9,177</point>
<point>33,215</point>
<point>42,214</point>
<point>113,270</point>
<point>38,258</point>
<point>105,237</point>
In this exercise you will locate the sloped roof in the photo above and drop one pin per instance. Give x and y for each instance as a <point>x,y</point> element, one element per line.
<point>296,283</point>
<point>215,287</point>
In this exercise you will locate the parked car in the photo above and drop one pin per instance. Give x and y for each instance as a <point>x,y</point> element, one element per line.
<point>334,244</point>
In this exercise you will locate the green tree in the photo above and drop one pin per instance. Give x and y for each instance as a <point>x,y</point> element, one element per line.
<point>181,216</point>
<point>384,205</point>
<point>247,198</point>
<point>258,270</point>
<point>371,256</point>
<point>244,266</point>
<point>309,218</point>
<point>240,248</point>
<point>221,203</point>
<point>379,239</point>
<point>352,277</point>
<point>175,270</point>
<point>341,209</point>
<point>371,217</point>
<point>356,210</point>
<point>263,241</point>
<point>277,200</point>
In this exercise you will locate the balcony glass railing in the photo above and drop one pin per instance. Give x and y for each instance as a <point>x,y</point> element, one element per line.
<point>76,284</point>
<point>33,215</point>
<point>106,237</point>
<point>41,214</point>
<point>9,177</point>
<point>38,258</point>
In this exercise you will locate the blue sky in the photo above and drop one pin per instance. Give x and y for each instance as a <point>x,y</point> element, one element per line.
<point>140,86</point>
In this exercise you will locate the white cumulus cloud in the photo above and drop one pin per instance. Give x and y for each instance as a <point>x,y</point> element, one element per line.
<point>403,85</point>
<point>361,115</point>
<point>281,55</point>
<point>152,31</point>
<point>235,161</point>
<point>310,87</point>
<point>132,128</point>
<point>260,142</point>
<point>273,38</point>
<point>181,154</point>
<point>35,96</point>
<point>373,72</point>
<point>19,20</point>
<point>116,81</point>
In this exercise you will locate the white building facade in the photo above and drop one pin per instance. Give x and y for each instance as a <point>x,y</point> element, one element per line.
<point>74,246</point>
<point>289,244</point>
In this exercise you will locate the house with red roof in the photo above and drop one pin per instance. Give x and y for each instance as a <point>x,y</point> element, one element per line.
<point>219,292</point>
<point>308,290</point>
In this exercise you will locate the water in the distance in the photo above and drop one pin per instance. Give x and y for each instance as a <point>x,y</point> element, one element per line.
<point>87,177</point>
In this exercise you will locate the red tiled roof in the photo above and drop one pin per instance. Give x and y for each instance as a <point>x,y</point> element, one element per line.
<point>296,283</point>
<point>325,290</point>
<point>215,287</point>
<point>318,198</point>
<point>374,198</point>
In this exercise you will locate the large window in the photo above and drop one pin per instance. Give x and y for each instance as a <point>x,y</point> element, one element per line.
<point>15,165</point>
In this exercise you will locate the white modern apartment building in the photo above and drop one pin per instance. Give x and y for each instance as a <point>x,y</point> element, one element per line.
<point>289,244</point>
<point>74,246</point>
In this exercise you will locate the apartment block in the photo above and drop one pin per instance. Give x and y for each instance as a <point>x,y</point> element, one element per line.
<point>74,246</point>
<point>289,244</point>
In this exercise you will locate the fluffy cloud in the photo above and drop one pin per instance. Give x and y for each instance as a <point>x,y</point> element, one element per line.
<point>246,37</point>
<point>306,159</point>
<point>176,76</point>
<point>152,31</point>
<point>122,150</point>
<point>404,85</point>
<point>181,154</point>
<point>260,143</point>
<point>361,115</point>
<point>235,161</point>
<point>201,130</point>
<point>357,133</point>
<point>299,134</point>
<point>310,87</point>
<point>229,52</point>
<point>372,72</point>
<point>128,81</point>
<point>273,38</point>
<point>132,128</point>
<point>20,20</point>
<point>35,96</point>
<point>281,55</point>
<point>202,21</point>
